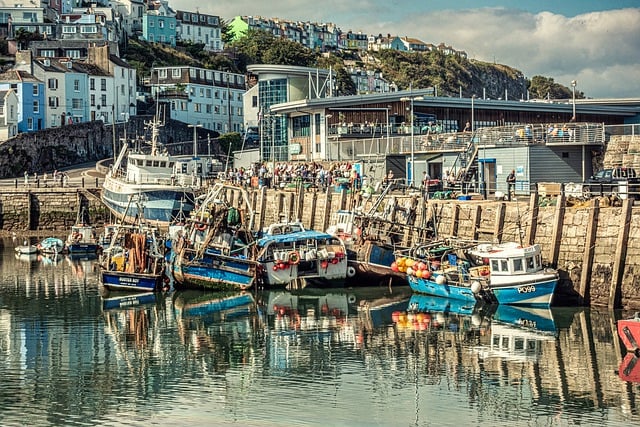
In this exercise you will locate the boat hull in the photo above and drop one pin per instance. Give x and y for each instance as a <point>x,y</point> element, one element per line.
<point>629,332</point>
<point>215,272</point>
<point>532,294</point>
<point>83,248</point>
<point>371,262</point>
<point>445,290</point>
<point>139,282</point>
<point>162,203</point>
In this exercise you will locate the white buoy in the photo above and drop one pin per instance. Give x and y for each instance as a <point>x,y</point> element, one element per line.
<point>476,287</point>
<point>441,280</point>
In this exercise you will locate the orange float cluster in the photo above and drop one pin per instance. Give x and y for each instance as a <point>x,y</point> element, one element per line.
<point>411,267</point>
<point>409,320</point>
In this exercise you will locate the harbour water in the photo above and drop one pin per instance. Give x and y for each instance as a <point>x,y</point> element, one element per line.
<point>72,355</point>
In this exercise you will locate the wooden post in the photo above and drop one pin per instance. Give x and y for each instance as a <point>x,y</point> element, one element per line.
<point>498,228</point>
<point>454,220</point>
<point>587,257</point>
<point>476,215</point>
<point>343,199</point>
<point>615,296</point>
<point>300,203</point>
<point>263,208</point>
<point>533,219</point>
<point>279,204</point>
<point>291,205</point>
<point>327,209</point>
<point>557,231</point>
<point>312,209</point>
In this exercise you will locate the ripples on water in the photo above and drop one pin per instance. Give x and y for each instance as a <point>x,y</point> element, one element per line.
<point>71,356</point>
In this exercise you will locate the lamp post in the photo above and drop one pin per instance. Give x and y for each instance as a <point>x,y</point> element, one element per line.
<point>573,87</point>
<point>473,97</point>
<point>412,169</point>
<point>195,140</point>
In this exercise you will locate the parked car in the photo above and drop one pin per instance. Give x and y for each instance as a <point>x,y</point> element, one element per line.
<point>623,181</point>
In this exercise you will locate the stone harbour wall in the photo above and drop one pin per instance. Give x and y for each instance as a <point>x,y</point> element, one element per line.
<point>594,245</point>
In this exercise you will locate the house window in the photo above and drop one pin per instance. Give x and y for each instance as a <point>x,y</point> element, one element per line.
<point>176,72</point>
<point>103,85</point>
<point>162,73</point>
<point>197,108</point>
<point>73,53</point>
<point>185,17</point>
<point>161,23</point>
<point>93,100</point>
<point>30,123</point>
<point>89,29</point>
<point>36,107</point>
<point>208,93</point>
<point>76,103</point>
<point>35,90</point>
<point>151,25</point>
<point>209,109</point>
<point>103,100</point>
<point>92,84</point>
<point>52,84</point>
<point>68,29</point>
<point>54,101</point>
<point>121,89</point>
<point>76,85</point>
<point>192,73</point>
<point>171,25</point>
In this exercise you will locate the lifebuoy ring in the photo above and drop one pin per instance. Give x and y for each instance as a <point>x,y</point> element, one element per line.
<point>76,236</point>
<point>294,258</point>
<point>351,271</point>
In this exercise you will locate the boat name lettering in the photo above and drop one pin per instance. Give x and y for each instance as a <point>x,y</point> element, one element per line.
<point>129,280</point>
<point>527,323</point>
<point>526,289</point>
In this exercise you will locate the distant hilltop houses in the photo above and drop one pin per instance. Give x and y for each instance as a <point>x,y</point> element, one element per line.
<point>68,67</point>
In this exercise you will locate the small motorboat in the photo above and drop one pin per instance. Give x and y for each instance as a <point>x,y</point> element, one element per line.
<point>51,245</point>
<point>26,249</point>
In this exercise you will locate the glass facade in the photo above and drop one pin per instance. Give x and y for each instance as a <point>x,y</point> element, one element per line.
<point>274,144</point>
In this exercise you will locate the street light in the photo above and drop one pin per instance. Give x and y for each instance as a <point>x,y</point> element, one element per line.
<point>195,140</point>
<point>472,114</point>
<point>413,169</point>
<point>573,86</point>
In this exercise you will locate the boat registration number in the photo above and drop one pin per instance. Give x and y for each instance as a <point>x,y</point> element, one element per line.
<point>526,289</point>
<point>129,280</point>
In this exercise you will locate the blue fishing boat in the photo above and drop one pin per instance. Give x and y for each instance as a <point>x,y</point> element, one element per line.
<point>215,250</point>
<point>317,257</point>
<point>505,273</point>
<point>134,261</point>
<point>82,239</point>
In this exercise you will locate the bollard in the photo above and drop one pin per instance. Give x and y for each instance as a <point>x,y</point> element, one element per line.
<point>37,182</point>
<point>96,182</point>
<point>16,183</point>
<point>82,182</point>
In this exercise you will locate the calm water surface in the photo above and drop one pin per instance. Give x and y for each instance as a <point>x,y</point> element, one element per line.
<point>70,355</point>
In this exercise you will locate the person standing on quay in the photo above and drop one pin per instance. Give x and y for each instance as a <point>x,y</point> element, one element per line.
<point>511,183</point>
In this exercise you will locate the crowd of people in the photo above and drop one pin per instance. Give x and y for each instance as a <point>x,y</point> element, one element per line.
<point>56,179</point>
<point>280,175</point>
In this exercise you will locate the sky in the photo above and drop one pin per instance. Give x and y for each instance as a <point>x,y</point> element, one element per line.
<point>595,43</point>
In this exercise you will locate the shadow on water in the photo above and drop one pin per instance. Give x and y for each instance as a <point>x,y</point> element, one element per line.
<point>334,356</point>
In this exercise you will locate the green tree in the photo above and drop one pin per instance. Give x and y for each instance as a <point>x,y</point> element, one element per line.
<point>287,52</point>
<point>344,83</point>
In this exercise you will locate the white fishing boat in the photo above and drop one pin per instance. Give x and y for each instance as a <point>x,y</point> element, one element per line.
<point>26,249</point>
<point>167,182</point>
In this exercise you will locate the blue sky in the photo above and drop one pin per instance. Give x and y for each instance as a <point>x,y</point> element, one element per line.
<point>596,43</point>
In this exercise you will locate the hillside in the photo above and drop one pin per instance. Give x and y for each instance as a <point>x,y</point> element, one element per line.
<point>450,74</point>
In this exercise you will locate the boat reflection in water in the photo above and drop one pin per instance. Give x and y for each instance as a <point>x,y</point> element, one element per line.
<point>131,320</point>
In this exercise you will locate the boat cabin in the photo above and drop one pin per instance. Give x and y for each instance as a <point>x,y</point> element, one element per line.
<point>509,259</point>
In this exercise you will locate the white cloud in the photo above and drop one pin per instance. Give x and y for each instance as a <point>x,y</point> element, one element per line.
<point>601,50</point>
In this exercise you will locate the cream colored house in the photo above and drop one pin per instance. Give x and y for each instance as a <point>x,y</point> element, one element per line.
<point>8,114</point>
